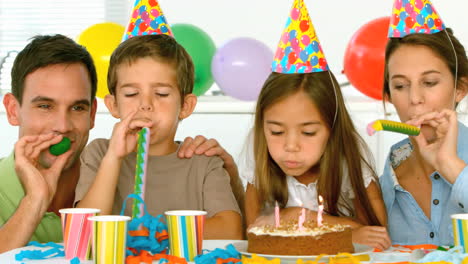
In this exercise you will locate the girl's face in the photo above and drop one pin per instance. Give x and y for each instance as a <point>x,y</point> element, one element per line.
<point>420,82</point>
<point>295,133</point>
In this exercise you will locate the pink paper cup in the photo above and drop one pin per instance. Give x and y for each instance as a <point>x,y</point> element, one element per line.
<point>185,229</point>
<point>76,229</point>
<point>109,238</point>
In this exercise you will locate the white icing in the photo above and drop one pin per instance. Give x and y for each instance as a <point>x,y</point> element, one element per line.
<point>294,230</point>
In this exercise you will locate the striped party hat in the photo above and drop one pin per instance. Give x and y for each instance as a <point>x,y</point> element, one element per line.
<point>147,19</point>
<point>414,16</point>
<point>299,50</point>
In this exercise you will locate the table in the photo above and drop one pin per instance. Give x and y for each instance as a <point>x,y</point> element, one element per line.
<point>375,257</point>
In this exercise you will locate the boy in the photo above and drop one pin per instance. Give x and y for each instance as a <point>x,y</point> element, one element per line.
<point>150,82</point>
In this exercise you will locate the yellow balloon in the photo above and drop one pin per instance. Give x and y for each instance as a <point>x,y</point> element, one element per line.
<point>101,40</point>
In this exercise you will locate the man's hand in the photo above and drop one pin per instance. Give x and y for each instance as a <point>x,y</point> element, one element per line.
<point>39,182</point>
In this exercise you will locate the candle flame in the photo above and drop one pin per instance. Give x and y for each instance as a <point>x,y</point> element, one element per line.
<point>299,202</point>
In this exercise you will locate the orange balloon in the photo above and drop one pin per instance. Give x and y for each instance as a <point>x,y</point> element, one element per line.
<point>365,57</point>
<point>101,40</point>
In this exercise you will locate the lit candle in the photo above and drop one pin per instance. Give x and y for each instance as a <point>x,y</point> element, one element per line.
<point>302,217</point>
<point>277,215</point>
<point>320,211</point>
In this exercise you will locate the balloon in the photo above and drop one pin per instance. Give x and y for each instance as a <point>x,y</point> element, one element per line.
<point>101,40</point>
<point>241,66</point>
<point>365,56</point>
<point>201,48</point>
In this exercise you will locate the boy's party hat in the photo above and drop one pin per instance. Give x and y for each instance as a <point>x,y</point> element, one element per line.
<point>147,18</point>
<point>414,16</point>
<point>299,50</point>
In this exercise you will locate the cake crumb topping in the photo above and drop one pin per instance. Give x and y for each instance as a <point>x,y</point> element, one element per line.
<point>290,228</point>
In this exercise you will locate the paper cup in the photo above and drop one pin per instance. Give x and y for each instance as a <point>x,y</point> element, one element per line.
<point>76,229</point>
<point>109,238</point>
<point>185,232</point>
<point>460,231</point>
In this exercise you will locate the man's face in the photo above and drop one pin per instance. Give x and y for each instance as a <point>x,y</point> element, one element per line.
<point>57,99</point>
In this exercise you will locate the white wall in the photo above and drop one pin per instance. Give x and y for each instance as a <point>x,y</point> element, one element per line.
<point>335,21</point>
<point>229,120</point>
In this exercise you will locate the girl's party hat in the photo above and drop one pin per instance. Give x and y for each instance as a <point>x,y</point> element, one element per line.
<point>299,50</point>
<point>147,19</point>
<point>414,16</point>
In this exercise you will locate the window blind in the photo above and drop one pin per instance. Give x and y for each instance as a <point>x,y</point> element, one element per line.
<point>21,20</point>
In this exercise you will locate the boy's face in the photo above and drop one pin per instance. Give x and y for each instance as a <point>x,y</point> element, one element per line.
<point>150,87</point>
<point>56,99</point>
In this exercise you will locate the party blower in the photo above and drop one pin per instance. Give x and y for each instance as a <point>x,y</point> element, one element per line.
<point>393,126</point>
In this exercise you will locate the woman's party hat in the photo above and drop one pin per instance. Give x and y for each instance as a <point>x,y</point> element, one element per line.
<point>147,19</point>
<point>299,50</point>
<point>414,16</point>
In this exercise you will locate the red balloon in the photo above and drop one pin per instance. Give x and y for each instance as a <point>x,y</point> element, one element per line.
<point>143,26</point>
<point>365,57</point>
<point>322,62</point>
<point>304,25</point>
<point>409,22</point>
<point>131,26</point>
<point>292,57</point>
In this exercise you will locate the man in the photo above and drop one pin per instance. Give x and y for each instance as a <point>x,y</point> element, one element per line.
<point>53,96</point>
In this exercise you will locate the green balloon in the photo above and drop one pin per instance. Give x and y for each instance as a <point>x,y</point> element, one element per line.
<point>202,49</point>
<point>61,147</point>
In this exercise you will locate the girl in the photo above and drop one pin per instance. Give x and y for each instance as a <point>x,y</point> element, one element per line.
<point>305,145</point>
<point>425,178</point>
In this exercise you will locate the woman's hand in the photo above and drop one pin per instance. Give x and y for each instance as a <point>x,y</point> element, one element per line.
<point>439,148</point>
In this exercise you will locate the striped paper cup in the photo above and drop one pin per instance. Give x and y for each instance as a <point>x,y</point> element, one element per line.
<point>185,232</point>
<point>109,238</point>
<point>76,229</point>
<point>460,231</point>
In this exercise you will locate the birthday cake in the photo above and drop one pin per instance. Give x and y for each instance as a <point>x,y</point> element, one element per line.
<point>287,239</point>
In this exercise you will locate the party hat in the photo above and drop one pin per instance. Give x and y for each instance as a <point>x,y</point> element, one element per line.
<point>414,16</point>
<point>147,18</point>
<point>299,50</point>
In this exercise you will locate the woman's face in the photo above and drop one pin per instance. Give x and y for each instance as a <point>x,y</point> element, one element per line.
<point>420,82</point>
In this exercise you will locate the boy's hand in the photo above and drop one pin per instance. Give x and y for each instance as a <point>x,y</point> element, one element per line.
<point>38,181</point>
<point>125,135</point>
<point>373,236</point>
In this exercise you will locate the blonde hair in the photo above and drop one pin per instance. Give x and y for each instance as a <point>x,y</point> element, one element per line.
<point>344,147</point>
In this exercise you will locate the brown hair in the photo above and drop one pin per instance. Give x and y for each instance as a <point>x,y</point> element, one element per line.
<point>162,48</point>
<point>439,43</point>
<point>47,50</point>
<point>344,145</point>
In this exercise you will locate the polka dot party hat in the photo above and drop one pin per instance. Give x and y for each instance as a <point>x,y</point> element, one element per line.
<point>147,19</point>
<point>299,50</point>
<point>414,16</point>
